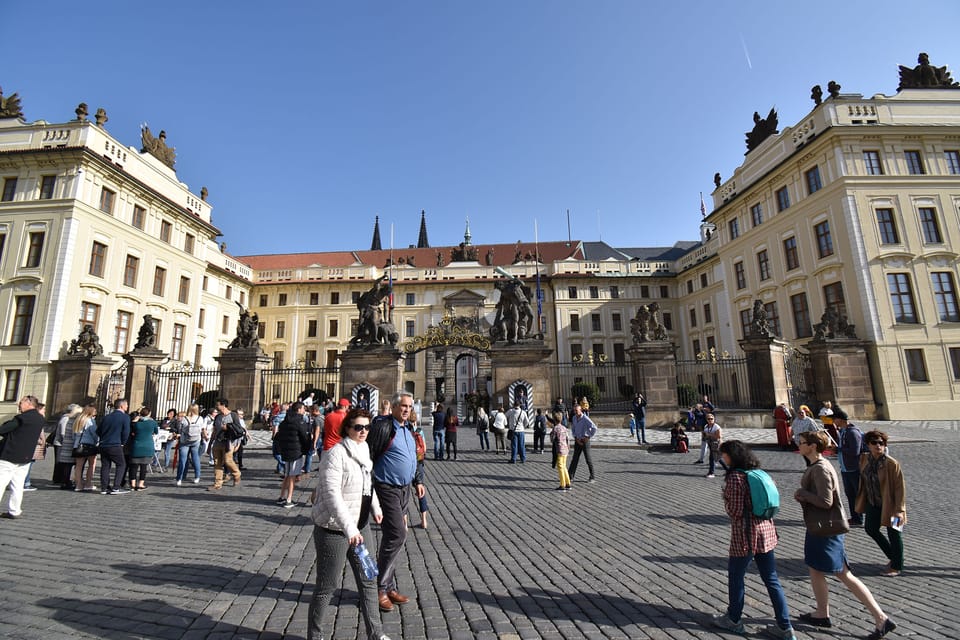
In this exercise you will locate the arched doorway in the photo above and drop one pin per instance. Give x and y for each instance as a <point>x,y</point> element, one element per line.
<point>466,382</point>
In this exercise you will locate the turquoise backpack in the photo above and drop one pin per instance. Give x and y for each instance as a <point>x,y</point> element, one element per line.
<point>763,493</point>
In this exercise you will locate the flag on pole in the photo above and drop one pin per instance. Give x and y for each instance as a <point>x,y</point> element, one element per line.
<point>703,207</point>
<point>536,244</point>
<point>390,279</point>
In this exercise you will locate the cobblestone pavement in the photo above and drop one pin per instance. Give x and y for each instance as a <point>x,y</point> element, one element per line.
<point>640,553</point>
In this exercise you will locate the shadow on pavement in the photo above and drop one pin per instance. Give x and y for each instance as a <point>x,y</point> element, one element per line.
<point>213,578</point>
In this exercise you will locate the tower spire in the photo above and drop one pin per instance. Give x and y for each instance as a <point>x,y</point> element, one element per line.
<point>375,244</point>
<point>466,234</point>
<point>422,242</point>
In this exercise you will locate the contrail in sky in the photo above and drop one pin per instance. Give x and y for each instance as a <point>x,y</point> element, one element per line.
<point>745,52</point>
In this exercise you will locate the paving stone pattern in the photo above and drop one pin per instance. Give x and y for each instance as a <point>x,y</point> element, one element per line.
<point>640,553</point>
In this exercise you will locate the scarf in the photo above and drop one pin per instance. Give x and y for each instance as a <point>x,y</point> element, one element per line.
<point>871,478</point>
<point>360,453</point>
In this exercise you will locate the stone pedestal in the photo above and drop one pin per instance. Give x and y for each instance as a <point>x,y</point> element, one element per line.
<point>379,366</point>
<point>137,362</point>
<point>77,379</point>
<point>842,371</point>
<point>766,367</point>
<point>241,376</point>
<point>655,376</point>
<point>522,361</point>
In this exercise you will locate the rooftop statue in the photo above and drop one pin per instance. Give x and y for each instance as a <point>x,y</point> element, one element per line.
<point>157,147</point>
<point>101,117</point>
<point>833,88</point>
<point>925,76</point>
<point>763,128</point>
<point>81,111</point>
<point>816,94</point>
<point>10,107</point>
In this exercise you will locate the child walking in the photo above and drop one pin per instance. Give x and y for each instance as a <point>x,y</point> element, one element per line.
<point>559,437</point>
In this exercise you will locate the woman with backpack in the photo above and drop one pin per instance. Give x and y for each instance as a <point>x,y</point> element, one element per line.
<point>483,429</point>
<point>191,439</point>
<point>750,537</point>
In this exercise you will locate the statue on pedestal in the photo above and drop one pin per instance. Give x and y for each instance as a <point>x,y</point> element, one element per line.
<point>833,325</point>
<point>369,306</point>
<point>147,336</point>
<point>514,314</point>
<point>247,330</point>
<point>647,326</point>
<point>87,344</point>
<point>759,327</point>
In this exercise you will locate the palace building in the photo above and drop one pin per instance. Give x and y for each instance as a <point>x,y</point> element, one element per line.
<point>848,218</point>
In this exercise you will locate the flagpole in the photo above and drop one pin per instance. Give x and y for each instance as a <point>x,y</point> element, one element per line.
<point>536,250</point>
<point>390,299</point>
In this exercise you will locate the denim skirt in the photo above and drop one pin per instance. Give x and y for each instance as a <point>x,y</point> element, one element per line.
<point>825,553</point>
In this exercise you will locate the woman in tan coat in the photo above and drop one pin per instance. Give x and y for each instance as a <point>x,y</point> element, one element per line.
<point>882,499</point>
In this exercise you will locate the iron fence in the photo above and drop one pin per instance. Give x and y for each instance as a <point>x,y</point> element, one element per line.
<point>800,382</point>
<point>112,386</point>
<point>178,388</point>
<point>296,382</point>
<point>609,385</point>
<point>725,380</point>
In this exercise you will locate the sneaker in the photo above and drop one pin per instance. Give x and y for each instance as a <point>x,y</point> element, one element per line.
<point>196,480</point>
<point>710,475</point>
<point>289,505</point>
<point>281,500</point>
<point>119,492</point>
<point>104,492</point>
<point>890,573</point>
<point>9,516</point>
<point>179,483</point>
<point>775,631</point>
<point>854,523</point>
<point>31,488</point>
<point>698,462</point>
<point>723,621</point>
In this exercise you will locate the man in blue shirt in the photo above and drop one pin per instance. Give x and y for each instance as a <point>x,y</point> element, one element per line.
<point>393,450</point>
<point>850,447</point>
<point>113,431</point>
<point>583,429</point>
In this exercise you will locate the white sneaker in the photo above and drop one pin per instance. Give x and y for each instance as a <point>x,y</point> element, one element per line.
<point>179,483</point>
<point>196,481</point>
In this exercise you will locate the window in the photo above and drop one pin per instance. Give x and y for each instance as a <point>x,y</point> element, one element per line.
<point>314,298</point>
<point>410,363</point>
<point>644,291</point>
<point>916,367</point>
<point>331,357</point>
<point>595,322</point>
<point>871,160</point>
<point>574,322</point>
<point>824,239</point>
<point>598,349</point>
<point>354,326</point>
<point>3,241</point>
<point>813,180</point>
<point>243,298</point>
<point>955,362</point>
<point>790,255</point>
<point>159,281</point>
<point>746,316</point>
<point>693,317</point>
<point>734,226</point>
<point>773,318</point>
<point>122,334</point>
<point>572,293</point>
<point>106,200</point>
<point>183,295</point>
<point>189,240</point>
<point>703,280</point>
<point>205,283</point>
<point>278,359</point>
<point>310,357</point>
<point>801,315</point>
<point>945,293</point>
<point>202,318</point>
<point>197,355</point>
<point>9,189</point>
<point>261,330</point>
<point>333,328</point>
<point>614,291</point>
<point>281,329</point>
<point>689,286</point>
<point>619,354</point>
<point>711,344</point>
<point>707,313</point>
<point>22,319</point>
<point>833,297</point>
<point>617,321</point>
<point>229,292</point>
<point>165,229</point>
<point>334,297</point>
<point>740,274</point>
<point>664,291</point>
<point>411,328</point>
<point>887,226</point>
<point>11,385</point>
<point>411,299</point>
<point>594,292</point>
<point>783,199</point>
<point>130,267</point>
<point>263,299</point>
<point>47,185</point>
<point>930,225</point>
<point>90,315</point>
<point>176,344</point>
<point>311,328</point>
<point>696,347</point>
<point>34,249</point>
<point>282,300</point>
<point>914,163</point>
<point>763,265</point>
<point>139,216</point>
<point>225,325</point>
<point>576,352</point>
<point>98,259</point>
<point>952,158</point>
<point>667,321</point>
<point>901,297</point>
<point>756,214</point>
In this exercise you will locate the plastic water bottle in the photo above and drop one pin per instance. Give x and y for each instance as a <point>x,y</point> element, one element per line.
<point>367,563</point>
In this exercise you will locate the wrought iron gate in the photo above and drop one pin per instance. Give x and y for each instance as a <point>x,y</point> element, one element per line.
<point>800,382</point>
<point>112,386</point>
<point>178,388</point>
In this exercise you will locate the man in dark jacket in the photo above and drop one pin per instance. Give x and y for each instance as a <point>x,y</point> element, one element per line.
<point>393,449</point>
<point>293,442</point>
<point>113,431</point>
<point>20,436</point>
<point>850,446</point>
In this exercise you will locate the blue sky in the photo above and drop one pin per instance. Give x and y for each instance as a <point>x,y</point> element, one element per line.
<point>306,119</point>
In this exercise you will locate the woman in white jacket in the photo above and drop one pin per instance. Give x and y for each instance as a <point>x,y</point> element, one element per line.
<point>344,502</point>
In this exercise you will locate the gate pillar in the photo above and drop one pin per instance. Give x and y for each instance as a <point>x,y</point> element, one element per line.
<point>241,376</point>
<point>842,371</point>
<point>137,362</point>
<point>522,361</point>
<point>376,365</point>
<point>655,376</point>
<point>78,379</point>
<point>766,368</point>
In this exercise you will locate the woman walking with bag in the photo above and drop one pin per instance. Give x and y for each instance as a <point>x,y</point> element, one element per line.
<point>85,448</point>
<point>191,439</point>
<point>823,549</point>
<point>881,497</point>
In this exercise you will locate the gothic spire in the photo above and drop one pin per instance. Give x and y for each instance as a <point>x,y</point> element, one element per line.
<point>422,242</point>
<point>466,234</point>
<point>375,245</point>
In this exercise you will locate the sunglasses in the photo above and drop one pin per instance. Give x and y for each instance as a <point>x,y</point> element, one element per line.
<point>879,442</point>
<point>361,427</point>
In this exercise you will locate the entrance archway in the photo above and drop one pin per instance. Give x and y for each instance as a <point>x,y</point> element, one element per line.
<point>466,371</point>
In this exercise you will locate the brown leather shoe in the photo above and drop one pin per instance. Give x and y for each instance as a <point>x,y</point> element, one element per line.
<point>396,598</point>
<point>385,604</point>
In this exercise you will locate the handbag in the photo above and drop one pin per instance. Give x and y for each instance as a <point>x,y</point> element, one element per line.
<point>85,451</point>
<point>825,522</point>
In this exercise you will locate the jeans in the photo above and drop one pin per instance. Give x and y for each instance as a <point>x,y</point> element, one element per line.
<point>393,504</point>
<point>276,456</point>
<point>112,456</point>
<point>892,548</point>
<point>193,451</point>
<point>485,440</point>
<point>168,452</point>
<point>851,484</point>
<point>579,449</point>
<point>306,461</point>
<point>13,475</point>
<point>642,430</point>
<point>538,438</point>
<point>518,445</point>
<point>438,437</point>
<point>767,566</point>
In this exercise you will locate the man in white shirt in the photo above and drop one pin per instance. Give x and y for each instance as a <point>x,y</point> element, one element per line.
<point>517,422</point>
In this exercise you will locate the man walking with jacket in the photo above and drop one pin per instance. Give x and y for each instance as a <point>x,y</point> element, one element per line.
<point>20,436</point>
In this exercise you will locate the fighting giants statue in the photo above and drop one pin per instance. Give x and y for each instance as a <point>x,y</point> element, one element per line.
<point>147,336</point>
<point>647,326</point>
<point>514,319</point>
<point>833,325</point>
<point>86,345</point>
<point>759,326</point>
<point>247,329</point>
<point>368,330</point>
